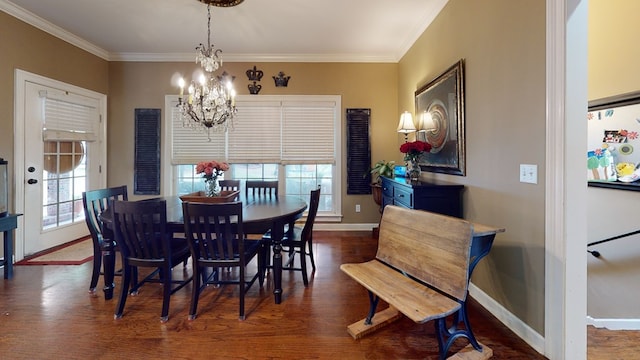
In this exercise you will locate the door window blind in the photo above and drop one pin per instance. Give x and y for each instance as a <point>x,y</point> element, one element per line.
<point>69,117</point>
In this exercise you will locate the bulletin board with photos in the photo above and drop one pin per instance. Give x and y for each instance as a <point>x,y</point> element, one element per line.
<point>613,155</point>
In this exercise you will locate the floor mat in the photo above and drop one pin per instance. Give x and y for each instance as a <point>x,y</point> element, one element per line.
<point>74,253</point>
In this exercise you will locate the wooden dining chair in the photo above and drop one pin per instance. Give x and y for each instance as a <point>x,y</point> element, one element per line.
<point>261,188</point>
<point>229,185</point>
<point>300,240</point>
<point>95,202</point>
<point>215,245</point>
<point>140,229</point>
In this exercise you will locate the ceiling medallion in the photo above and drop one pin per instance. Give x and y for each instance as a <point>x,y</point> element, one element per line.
<point>222,3</point>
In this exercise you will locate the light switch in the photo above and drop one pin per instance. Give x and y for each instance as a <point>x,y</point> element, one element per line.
<point>529,173</point>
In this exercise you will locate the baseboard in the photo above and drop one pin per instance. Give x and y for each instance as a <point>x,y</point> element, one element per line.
<point>615,324</point>
<point>343,227</point>
<point>522,330</point>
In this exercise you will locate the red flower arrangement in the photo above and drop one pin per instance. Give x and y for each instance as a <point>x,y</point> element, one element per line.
<point>413,150</point>
<point>210,170</point>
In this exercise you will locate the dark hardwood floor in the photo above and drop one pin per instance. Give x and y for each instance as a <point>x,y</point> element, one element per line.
<point>47,313</point>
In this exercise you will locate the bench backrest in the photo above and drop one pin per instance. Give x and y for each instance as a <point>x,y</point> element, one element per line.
<point>431,247</point>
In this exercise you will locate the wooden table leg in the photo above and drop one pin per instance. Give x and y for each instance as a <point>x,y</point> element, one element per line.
<point>277,231</point>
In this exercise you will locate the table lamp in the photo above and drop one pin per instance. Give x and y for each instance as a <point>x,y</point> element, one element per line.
<point>406,125</point>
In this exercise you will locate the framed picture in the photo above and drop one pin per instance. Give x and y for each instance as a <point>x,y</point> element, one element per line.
<point>613,140</point>
<point>443,100</point>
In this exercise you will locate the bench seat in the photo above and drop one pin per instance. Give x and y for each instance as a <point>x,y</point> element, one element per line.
<point>414,300</point>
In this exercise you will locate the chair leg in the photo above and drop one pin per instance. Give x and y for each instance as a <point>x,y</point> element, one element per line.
<point>242,284</point>
<point>195,291</point>
<point>124,290</point>
<point>303,267</point>
<point>166,293</point>
<point>262,267</point>
<point>97,266</point>
<point>310,253</point>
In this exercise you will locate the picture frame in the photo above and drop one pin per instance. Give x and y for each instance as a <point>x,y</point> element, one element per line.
<point>613,124</point>
<point>443,99</point>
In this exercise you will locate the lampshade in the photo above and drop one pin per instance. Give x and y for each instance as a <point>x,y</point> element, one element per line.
<point>406,124</point>
<point>425,121</point>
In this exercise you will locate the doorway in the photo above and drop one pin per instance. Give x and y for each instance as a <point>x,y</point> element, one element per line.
<point>61,130</point>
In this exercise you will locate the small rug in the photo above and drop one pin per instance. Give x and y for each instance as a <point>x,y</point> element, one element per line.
<point>76,252</point>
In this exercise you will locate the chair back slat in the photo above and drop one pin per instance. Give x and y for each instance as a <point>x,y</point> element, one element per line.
<point>229,185</point>
<point>260,188</point>
<point>215,232</point>
<point>95,202</point>
<point>141,229</point>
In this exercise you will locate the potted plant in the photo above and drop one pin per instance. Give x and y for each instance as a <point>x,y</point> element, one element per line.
<point>381,168</point>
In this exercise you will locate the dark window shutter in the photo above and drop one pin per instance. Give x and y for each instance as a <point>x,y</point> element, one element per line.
<point>147,152</point>
<point>358,152</point>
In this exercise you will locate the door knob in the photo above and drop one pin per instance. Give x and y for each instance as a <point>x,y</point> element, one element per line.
<point>31,169</point>
<point>32,181</point>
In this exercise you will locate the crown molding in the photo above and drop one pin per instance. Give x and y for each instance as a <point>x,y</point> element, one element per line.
<point>427,18</point>
<point>309,58</point>
<point>40,23</point>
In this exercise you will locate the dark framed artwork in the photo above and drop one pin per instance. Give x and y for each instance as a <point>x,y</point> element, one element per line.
<point>443,99</point>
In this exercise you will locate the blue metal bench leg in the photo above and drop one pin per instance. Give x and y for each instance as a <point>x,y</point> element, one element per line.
<point>447,335</point>
<point>373,303</point>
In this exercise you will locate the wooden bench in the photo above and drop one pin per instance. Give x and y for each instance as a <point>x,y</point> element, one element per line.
<point>421,270</point>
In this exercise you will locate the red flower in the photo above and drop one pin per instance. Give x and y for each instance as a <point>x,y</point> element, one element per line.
<point>415,147</point>
<point>413,150</point>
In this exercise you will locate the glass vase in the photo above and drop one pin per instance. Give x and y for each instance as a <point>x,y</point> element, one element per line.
<point>413,170</point>
<point>213,187</point>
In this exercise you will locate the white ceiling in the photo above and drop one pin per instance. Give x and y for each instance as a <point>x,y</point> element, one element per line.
<point>255,30</point>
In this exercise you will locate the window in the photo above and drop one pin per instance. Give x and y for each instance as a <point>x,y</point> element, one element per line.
<point>292,139</point>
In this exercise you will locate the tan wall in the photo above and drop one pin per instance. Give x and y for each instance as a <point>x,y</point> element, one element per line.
<point>144,85</point>
<point>612,281</point>
<point>27,48</point>
<point>503,44</point>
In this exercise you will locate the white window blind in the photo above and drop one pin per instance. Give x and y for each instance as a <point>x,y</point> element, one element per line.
<point>256,135</point>
<point>267,129</point>
<point>190,146</point>
<point>69,117</point>
<point>308,132</point>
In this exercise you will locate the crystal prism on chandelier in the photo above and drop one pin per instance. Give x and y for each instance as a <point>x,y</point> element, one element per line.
<point>210,102</point>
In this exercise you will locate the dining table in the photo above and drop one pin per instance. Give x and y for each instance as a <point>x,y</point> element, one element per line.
<point>259,215</point>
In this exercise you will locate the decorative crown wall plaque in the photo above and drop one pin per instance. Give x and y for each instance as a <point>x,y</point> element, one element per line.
<point>281,80</point>
<point>225,76</point>
<point>254,74</point>
<point>254,88</point>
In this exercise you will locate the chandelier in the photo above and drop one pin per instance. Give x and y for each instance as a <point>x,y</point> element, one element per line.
<point>210,101</point>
